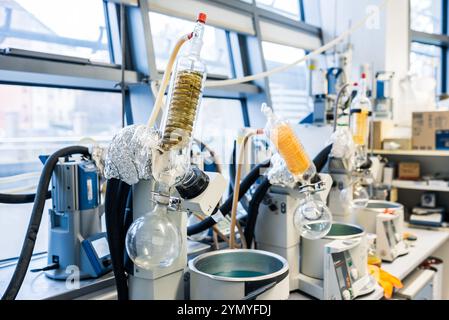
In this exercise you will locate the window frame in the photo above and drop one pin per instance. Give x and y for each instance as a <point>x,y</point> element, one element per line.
<point>440,40</point>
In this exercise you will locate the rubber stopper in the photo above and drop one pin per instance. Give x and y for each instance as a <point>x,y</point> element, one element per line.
<point>202,17</point>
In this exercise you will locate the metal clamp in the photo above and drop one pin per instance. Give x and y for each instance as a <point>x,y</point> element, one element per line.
<point>311,187</point>
<point>175,204</point>
<point>172,203</point>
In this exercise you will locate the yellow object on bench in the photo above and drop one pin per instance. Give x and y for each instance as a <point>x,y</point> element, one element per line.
<point>386,280</point>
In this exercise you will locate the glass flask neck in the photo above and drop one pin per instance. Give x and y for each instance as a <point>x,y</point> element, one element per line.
<point>162,193</point>
<point>308,196</point>
<point>159,209</point>
<point>161,203</point>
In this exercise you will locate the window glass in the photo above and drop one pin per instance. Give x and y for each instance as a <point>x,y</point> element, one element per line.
<point>218,123</point>
<point>425,60</point>
<point>166,31</point>
<point>289,89</point>
<point>66,27</point>
<point>288,8</point>
<point>425,15</point>
<point>36,121</point>
<point>312,12</point>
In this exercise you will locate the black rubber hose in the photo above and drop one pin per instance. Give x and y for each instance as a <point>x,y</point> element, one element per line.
<point>226,207</point>
<point>128,220</point>
<point>20,198</point>
<point>115,207</point>
<point>321,158</point>
<point>35,219</point>
<point>253,210</point>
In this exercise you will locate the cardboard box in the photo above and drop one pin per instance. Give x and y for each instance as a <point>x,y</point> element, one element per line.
<point>409,171</point>
<point>404,144</point>
<point>425,126</point>
<point>381,129</point>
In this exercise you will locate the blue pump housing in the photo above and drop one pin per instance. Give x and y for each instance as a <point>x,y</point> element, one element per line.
<point>75,231</point>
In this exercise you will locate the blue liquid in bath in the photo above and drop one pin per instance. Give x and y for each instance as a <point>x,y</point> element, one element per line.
<point>239,274</point>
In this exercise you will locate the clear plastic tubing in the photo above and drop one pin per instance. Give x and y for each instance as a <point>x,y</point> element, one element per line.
<point>185,93</point>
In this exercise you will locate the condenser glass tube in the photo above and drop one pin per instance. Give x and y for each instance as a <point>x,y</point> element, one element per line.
<point>289,147</point>
<point>178,122</point>
<point>292,151</point>
<point>185,93</point>
<point>360,126</point>
<point>184,102</point>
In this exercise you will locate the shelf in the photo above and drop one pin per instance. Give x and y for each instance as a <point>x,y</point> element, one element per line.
<point>423,153</point>
<point>413,185</point>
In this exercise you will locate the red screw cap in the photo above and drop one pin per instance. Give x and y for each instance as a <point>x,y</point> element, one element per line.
<point>202,17</point>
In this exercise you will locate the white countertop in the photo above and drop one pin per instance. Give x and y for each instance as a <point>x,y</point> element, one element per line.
<point>428,241</point>
<point>36,286</point>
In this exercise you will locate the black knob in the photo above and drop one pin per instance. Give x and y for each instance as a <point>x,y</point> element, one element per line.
<point>194,184</point>
<point>106,262</point>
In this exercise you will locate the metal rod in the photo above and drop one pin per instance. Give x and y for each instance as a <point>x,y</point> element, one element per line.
<point>123,45</point>
<point>340,92</point>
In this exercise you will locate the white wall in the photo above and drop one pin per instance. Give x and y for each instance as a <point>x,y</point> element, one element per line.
<point>368,43</point>
<point>382,43</point>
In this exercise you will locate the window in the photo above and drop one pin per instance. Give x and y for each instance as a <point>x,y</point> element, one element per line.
<point>287,8</point>
<point>289,91</point>
<point>65,27</point>
<point>36,121</point>
<point>312,12</point>
<point>426,15</point>
<point>425,60</point>
<point>166,31</point>
<point>428,49</point>
<point>218,123</point>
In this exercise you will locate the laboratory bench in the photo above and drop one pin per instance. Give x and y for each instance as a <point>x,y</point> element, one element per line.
<point>428,243</point>
<point>37,286</point>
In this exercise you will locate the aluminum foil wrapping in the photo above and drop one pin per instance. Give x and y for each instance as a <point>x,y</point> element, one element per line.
<point>343,146</point>
<point>128,156</point>
<point>99,157</point>
<point>278,174</point>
